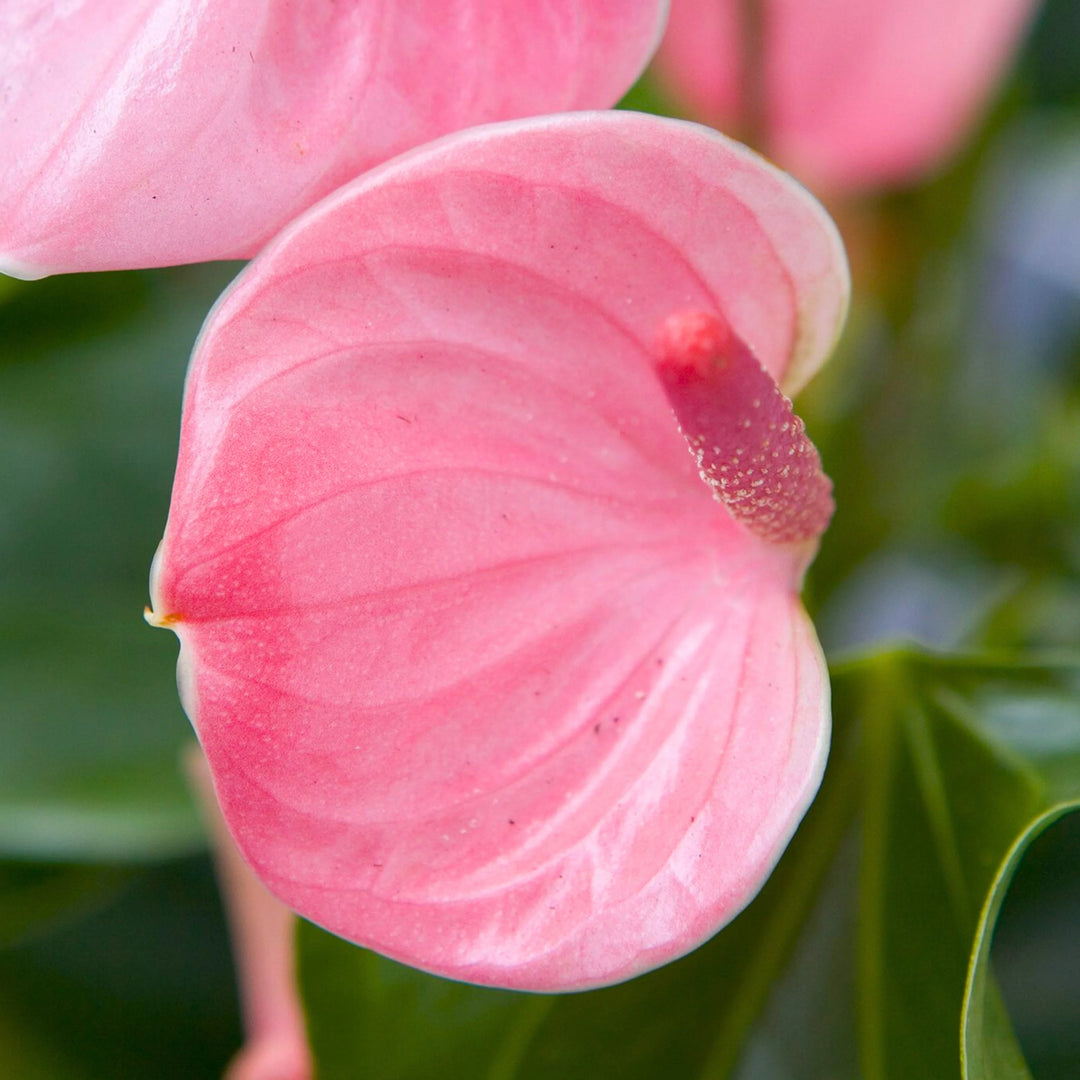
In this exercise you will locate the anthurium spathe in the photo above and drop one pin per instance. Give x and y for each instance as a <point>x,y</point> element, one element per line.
<point>845,93</point>
<point>485,544</point>
<point>152,132</point>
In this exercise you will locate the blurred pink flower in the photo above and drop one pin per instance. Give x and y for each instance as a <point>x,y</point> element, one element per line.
<point>152,132</point>
<point>845,93</point>
<point>486,540</point>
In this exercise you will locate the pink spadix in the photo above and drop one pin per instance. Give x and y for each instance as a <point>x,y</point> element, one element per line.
<point>487,678</point>
<point>749,445</point>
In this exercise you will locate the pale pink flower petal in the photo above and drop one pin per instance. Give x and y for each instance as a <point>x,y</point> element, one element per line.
<point>487,677</point>
<point>152,132</point>
<point>851,93</point>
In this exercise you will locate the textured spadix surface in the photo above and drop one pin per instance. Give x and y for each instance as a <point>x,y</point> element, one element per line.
<point>849,93</point>
<point>487,677</point>
<point>152,132</point>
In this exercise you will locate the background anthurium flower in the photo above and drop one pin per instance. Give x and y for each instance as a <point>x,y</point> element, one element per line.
<point>487,676</point>
<point>845,93</point>
<point>147,133</point>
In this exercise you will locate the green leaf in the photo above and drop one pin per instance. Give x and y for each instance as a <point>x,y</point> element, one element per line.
<point>987,1048</point>
<point>33,1054</point>
<point>93,367</point>
<point>138,986</point>
<point>369,1016</point>
<point>34,897</point>
<point>92,736</point>
<point>965,761</point>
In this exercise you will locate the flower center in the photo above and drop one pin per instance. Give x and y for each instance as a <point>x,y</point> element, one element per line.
<point>750,447</point>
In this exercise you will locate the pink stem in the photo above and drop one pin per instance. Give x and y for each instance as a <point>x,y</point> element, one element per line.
<point>262,936</point>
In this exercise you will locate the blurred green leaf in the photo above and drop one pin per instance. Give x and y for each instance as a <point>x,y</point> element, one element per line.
<point>35,896</point>
<point>92,735</point>
<point>139,986</point>
<point>92,368</point>
<point>32,1055</point>
<point>38,316</point>
<point>1050,65</point>
<point>1036,948</point>
<point>1027,498</point>
<point>965,762</point>
<point>645,96</point>
<point>987,1048</point>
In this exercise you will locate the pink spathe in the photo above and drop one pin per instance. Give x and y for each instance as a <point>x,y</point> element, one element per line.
<point>847,94</point>
<point>488,678</point>
<point>154,132</point>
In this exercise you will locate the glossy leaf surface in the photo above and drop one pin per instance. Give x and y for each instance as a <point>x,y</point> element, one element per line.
<point>965,760</point>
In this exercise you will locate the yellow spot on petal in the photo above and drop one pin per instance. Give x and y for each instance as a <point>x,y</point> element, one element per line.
<point>163,621</point>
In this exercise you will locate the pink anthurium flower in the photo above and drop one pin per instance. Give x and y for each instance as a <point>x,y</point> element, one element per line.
<point>153,132</point>
<point>485,545</point>
<point>846,93</point>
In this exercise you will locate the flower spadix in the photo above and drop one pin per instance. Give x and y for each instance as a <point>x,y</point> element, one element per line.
<point>498,671</point>
<point>846,93</point>
<point>152,132</point>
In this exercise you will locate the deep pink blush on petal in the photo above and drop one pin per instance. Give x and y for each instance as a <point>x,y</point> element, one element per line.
<point>493,673</point>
